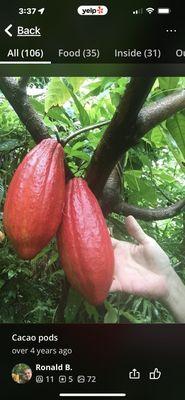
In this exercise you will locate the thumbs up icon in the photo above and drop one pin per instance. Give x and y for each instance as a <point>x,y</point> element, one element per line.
<point>154,375</point>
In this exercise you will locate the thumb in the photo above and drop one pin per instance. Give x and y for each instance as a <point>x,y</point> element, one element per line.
<point>135,230</point>
<point>115,242</point>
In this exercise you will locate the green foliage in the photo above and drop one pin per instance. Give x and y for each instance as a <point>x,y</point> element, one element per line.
<point>74,301</point>
<point>1,191</point>
<point>36,291</point>
<point>168,83</point>
<point>176,127</point>
<point>57,94</point>
<point>8,145</point>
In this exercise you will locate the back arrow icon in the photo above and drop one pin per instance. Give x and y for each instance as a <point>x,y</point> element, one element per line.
<point>7,30</point>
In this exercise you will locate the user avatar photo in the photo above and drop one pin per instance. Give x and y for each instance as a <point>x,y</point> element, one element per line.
<point>21,373</point>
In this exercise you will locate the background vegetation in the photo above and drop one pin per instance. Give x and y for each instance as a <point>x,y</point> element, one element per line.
<point>34,291</point>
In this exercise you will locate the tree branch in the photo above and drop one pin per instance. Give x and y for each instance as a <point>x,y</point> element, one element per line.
<point>148,118</point>
<point>119,135</point>
<point>18,98</point>
<point>23,82</point>
<point>147,214</point>
<point>159,111</point>
<point>86,129</point>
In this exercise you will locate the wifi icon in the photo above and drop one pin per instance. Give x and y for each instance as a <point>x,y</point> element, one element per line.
<point>150,10</point>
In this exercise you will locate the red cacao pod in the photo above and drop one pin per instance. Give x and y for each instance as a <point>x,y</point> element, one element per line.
<point>35,199</point>
<point>84,243</point>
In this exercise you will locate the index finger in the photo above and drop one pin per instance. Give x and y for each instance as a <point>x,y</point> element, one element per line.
<point>135,230</point>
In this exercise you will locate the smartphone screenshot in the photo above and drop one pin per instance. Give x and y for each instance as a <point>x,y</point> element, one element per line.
<point>92,200</point>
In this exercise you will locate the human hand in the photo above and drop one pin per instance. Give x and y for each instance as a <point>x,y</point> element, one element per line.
<point>142,269</point>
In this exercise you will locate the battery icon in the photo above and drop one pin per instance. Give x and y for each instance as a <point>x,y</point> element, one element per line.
<point>163,10</point>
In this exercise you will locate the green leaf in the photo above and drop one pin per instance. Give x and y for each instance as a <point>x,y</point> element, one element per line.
<point>137,304</point>
<point>131,178</point>
<point>57,94</point>
<point>176,127</point>
<point>49,123</point>
<point>147,192</point>
<point>59,114</point>
<point>94,138</point>
<point>83,115</point>
<point>53,258</point>
<point>78,145</point>
<point>139,188</point>
<point>76,82</point>
<point>146,161</point>
<point>175,150</point>
<point>157,137</point>
<point>111,316</point>
<point>163,175</point>
<point>9,144</point>
<point>168,83</point>
<point>44,251</point>
<point>11,274</point>
<point>115,98</point>
<point>130,317</point>
<point>99,86</point>
<point>91,311</point>
<point>80,154</point>
<point>94,87</point>
<point>74,301</point>
<point>38,105</point>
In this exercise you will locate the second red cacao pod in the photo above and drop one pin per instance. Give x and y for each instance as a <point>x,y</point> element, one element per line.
<point>84,243</point>
<point>35,199</point>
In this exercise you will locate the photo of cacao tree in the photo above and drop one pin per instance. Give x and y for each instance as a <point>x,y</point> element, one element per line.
<point>78,157</point>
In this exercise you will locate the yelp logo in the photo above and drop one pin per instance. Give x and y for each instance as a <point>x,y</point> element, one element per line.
<point>92,10</point>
